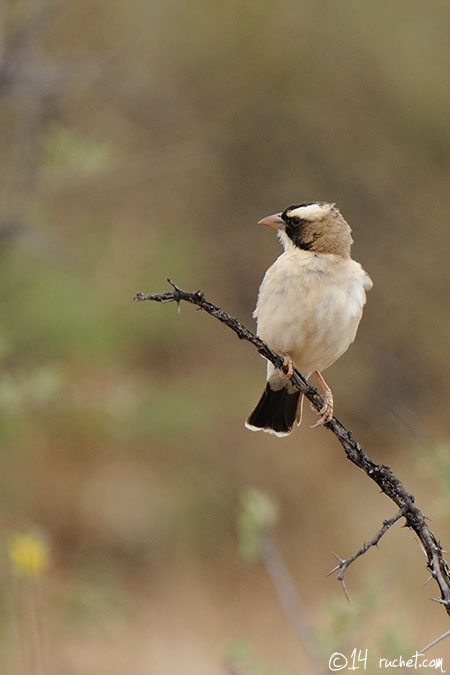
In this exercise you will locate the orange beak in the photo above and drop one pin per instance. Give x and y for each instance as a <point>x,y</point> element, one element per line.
<point>274,220</point>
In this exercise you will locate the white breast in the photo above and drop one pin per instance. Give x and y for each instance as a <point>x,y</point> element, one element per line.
<point>309,306</point>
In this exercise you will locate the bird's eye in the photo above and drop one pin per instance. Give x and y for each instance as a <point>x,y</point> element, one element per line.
<point>295,220</point>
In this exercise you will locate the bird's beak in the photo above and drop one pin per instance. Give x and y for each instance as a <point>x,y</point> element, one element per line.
<point>274,220</point>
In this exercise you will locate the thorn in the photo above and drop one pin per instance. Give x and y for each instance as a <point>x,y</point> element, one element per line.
<point>428,580</point>
<point>177,293</point>
<point>344,588</point>
<point>440,601</point>
<point>338,557</point>
<point>335,569</point>
<point>422,549</point>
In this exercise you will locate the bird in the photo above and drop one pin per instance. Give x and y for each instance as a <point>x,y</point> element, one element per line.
<point>308,310</point>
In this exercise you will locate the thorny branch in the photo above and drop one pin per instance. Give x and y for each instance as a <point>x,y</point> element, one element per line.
<point>342,565</point>
<point>379,473</point>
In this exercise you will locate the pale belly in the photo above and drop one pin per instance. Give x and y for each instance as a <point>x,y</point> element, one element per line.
<point>309,312</point>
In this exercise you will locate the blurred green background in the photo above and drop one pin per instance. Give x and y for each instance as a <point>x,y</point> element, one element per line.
<point>144,139</point>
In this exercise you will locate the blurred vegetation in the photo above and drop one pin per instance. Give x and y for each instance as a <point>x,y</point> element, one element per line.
<point>144,140</point>
<point>240,660</point>
<point>258,514</point>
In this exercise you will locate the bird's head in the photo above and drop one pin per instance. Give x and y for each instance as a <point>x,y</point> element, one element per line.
<point>313,226</point>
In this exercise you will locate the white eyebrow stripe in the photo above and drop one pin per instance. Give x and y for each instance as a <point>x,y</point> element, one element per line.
<point>310,212</point>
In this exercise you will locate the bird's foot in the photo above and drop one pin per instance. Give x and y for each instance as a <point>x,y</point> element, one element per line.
<point>326,411</point>
<point>287,369</point>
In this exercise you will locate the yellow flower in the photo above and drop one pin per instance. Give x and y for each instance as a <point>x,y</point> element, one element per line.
<point>28,554</point>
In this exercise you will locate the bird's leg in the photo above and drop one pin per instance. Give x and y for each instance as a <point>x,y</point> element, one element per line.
<point>299,414</point>
<point>288,367</point>
<point>326,411</point>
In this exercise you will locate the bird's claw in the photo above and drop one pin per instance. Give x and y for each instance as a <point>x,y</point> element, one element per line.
<point>326,411</point>
<point>288,368</point>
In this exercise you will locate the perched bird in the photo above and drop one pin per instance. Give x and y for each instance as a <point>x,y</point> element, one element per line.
<point>309,307</point>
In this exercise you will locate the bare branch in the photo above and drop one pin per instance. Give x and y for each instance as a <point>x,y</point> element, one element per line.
<point>379,473</point>
<point>342,565</point>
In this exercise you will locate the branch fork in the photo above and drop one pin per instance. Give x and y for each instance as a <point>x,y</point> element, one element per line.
<point>343,564</point>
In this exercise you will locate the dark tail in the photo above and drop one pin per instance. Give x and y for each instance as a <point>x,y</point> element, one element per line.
<point>276,411</point>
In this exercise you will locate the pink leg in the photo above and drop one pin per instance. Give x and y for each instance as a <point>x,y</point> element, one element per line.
<point>300,410</point>
<point>326,412</point>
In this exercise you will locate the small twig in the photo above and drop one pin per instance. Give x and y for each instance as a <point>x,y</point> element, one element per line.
<point>343,565</point>
<point>379,473</point>
<point>435,642</point>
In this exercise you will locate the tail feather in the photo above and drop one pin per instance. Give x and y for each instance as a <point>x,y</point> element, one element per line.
<point>275,411</point>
